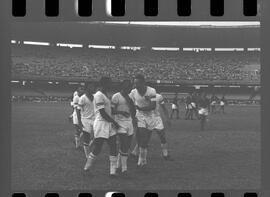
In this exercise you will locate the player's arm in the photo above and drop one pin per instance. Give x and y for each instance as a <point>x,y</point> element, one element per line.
<point>164,109</point>
<point>108,118</point>
<point>78,112</point>
<point>150,107</point>
<point>124,113</point>
<point>114,107</point>
<point>100,103</point>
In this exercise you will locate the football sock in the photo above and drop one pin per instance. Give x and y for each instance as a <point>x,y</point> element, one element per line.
<point>86,149</point>
<point>90,161</point>
<point>124,158</point>
<point>113,164</point>
<point>119,160</point>
<point>140,156</point>
<point>144,155</point>
<point>164,148</point>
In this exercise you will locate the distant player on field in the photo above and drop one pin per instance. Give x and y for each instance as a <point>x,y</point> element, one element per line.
<point>213,102</point>
<point>124,112</point>
<point>203,105</point>
<point>87,116</point>
<point>74,104</point>
<point>188,114</point>
<point>175,107</point>
<point>144,98</point>
<point>222,104</point>
<point>103,124</point>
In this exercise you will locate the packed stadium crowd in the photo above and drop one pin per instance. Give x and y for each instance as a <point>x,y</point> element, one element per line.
<point>47,61</point>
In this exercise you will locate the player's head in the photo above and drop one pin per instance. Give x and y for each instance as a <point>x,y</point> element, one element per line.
<point>203,94</point>
<point>105,83</point>
<point>139,81</point>
<point>126,86</point>
<point>80,90</point>
<point>90,88</point>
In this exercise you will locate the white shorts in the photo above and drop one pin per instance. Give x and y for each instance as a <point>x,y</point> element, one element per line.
<point>193,105</point>
<point>189,106</point>
<point>150,122</point>
<point>103,129</point>
<point>174,106</point>
<point>75,118</point>
<point>158,123</point>
<point>203,111</point>
<point>222,103</point>
<point>87,125</point>
<point>213,102</point>
<point>126,127</point>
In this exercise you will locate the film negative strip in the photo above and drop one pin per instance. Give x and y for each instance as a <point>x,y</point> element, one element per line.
<point>173,88</point>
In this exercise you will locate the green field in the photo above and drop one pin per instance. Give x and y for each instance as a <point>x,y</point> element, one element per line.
<point>226,156</point>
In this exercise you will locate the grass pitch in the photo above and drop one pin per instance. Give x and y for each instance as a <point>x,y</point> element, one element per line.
<point>225,156</point>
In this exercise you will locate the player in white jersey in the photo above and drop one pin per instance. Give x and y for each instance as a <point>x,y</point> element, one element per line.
<point>222,103</point>
<point>87,117</point>
<point>144,97</point>
<point>124,112</point>
<point>74,104</point>
<point>160,129</point>
<point>103,127</point>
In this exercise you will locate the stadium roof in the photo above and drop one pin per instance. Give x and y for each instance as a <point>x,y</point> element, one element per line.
<point>166,34</point>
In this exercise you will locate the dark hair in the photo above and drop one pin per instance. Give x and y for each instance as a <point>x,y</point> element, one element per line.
<point>124,82</point>
<point>140,77</point>
<point>90,89</point>
<point>104,81</point>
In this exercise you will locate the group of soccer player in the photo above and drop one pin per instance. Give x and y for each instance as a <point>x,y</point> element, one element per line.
<point>133,111</point>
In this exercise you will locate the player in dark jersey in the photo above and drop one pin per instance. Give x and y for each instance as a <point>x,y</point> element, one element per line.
<point>175,107</point>
<point>188,107</point>
<point>203,104</point>
<point>213,102</point>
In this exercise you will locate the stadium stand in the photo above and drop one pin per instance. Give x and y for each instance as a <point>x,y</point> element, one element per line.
<point>48,61</point>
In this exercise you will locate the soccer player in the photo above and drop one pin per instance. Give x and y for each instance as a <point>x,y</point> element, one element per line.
<point>124,112</point>
<point>203,109</point>
<point>222,103</point>
<point>74,104</point>
<point>189,112</point>
<point>175,107</point>
<point>144,98</point>
<point>159,128</point>
<point>213,102</point>
<point>86,117</point>
<point>102,126</point>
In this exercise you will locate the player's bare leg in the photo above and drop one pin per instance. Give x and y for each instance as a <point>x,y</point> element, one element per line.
<point>98,143</point>
<point>87,142</point>
<point>177,113</point>
<point>164,145</point>
<point>125,142</point>
<point>78,134</point>
<point>145,138</point>
<point>202,122</point>
<point>135,152</point>
<point>112,141</point>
